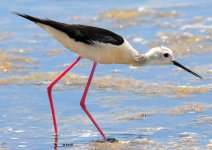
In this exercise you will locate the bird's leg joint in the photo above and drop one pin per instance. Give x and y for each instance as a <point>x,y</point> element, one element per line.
<point>82,104</point>
<point>49,88</point>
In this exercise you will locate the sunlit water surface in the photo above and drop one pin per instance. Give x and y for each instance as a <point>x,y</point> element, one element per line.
<point>147,107</point>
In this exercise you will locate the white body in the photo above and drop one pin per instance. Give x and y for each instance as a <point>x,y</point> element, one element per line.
<point>100,52</point>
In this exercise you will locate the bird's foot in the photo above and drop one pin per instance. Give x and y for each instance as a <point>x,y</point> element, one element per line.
<point>110,140</point>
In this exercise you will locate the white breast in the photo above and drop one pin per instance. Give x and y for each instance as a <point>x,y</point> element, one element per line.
<point>99,52</point>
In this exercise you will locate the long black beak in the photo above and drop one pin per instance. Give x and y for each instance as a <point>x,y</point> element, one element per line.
<point>186,69</point>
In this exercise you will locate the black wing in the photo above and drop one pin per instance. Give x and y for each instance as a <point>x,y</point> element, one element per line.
<point>82,33</point>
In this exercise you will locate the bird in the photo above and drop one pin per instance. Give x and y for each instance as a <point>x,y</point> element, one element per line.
<point>100,46</point>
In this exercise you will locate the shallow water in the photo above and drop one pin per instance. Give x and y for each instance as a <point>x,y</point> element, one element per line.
<point>144,108</point>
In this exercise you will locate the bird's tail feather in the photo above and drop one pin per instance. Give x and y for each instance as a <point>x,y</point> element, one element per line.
<point>34,19</point>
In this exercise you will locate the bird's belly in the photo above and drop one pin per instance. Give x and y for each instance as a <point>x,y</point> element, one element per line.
<point>104,55</point>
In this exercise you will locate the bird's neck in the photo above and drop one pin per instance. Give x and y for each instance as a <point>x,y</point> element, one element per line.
<point>140,59</point>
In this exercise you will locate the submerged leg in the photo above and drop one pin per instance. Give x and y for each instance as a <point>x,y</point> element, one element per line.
<point>49,89</point>
<point>82,102</point>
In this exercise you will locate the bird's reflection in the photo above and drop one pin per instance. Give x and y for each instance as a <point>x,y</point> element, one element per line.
<point>55,142</point>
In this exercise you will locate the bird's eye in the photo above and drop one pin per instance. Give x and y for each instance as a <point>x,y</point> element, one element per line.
<point>166,55</point>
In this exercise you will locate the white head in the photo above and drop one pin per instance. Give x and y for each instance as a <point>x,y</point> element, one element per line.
<point>163,56</point>
<point>159,56</point>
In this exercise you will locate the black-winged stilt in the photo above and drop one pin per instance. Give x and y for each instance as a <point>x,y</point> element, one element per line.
<point>100,46</point>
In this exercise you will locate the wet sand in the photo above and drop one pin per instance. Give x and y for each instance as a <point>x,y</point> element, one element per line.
<point>155,107</point>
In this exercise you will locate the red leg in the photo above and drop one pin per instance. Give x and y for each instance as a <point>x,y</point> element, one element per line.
<point>82,102</point>
<point>49,89</point>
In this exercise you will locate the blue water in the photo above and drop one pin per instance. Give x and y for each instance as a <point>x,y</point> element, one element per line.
<point>25,118</point>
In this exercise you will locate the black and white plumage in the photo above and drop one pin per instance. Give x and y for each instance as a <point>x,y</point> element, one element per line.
<point>80,33</point>
<point>101,46</point>
<point>97,44</point>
